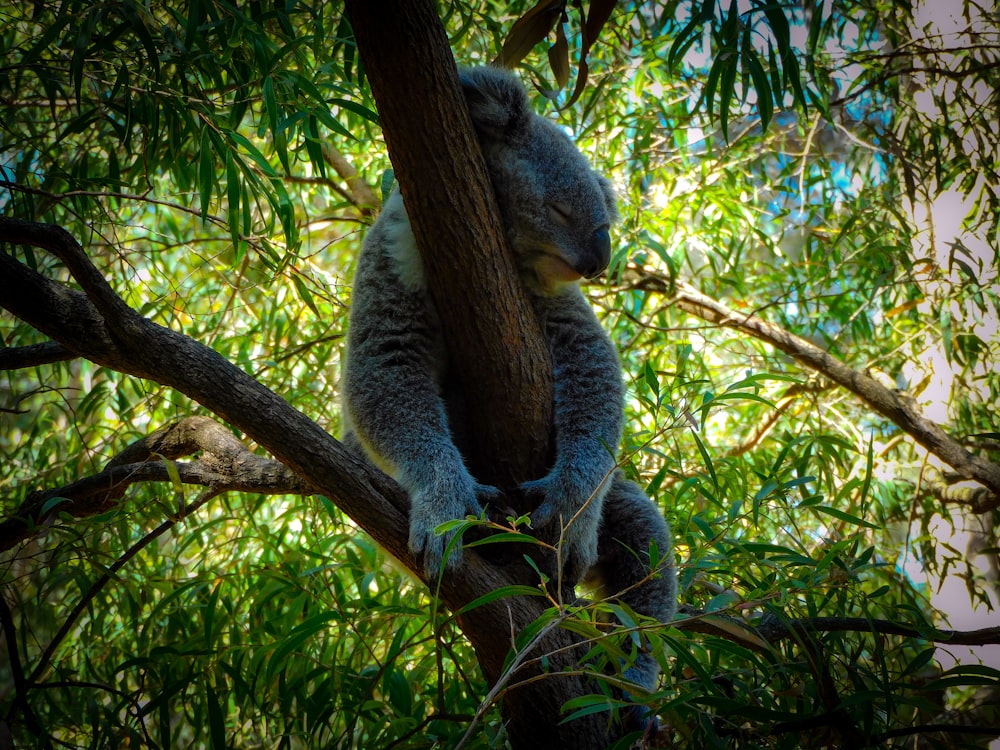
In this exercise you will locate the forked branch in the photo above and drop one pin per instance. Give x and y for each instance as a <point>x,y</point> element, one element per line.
<point>224,465</point>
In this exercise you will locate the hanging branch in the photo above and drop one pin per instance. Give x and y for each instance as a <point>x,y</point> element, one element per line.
<point>903,412</point>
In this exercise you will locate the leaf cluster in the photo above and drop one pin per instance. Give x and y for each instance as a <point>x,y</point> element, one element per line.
<point>783,161</point>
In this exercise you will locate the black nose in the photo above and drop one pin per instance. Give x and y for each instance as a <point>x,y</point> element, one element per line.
<point>597,255</point>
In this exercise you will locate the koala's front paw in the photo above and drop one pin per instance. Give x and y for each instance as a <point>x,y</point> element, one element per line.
<point>559,516</point>
<point>433,506</point>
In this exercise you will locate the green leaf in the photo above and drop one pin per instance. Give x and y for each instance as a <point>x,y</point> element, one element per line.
<point>399,691</point>
<point>842,516</point>
<point>706,458</point>
<point>298,636</point>
<point>684,39</point>
<point>587,705</point>
<point>258,158</point>
<point>271,104</point>
<point>527,31</point>
<point>206,173</point>
<point>233,207</point>
<point>651,379</point>
<point>305,294</point>
<point>216,719</point>
<point>209,615</point>
<point>505,537</point>
<point>52,503</point>
<point>869,463</point>
<point>324,116</point>
<point>500,593</point>
<point>761,85</point>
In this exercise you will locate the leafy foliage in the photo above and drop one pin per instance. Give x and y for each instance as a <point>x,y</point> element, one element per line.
<point>831,168</point>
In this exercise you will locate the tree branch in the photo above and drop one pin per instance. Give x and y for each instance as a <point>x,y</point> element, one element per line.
<point>114,336</point>
<point>225,465</point>
<point>879,398</point>
<point>357,191</point>
<point>46,353</point>
<point>977,498</point>
<point>772,629</point>
<point>21,683</point>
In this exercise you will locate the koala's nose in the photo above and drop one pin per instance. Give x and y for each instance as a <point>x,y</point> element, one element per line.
<point>597,255</point>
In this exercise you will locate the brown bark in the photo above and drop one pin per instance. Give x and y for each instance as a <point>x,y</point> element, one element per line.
<point>356,190</point>
<point>225,465</point>
<point>495,341</point>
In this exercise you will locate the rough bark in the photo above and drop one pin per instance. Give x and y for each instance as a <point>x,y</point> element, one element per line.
<point>225,465</point>
<point>495,341</point>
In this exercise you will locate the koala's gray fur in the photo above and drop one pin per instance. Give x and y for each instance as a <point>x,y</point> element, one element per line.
<point>557,213</point>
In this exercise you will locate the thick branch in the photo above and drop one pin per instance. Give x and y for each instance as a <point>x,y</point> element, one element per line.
<point>771,629</point>
<point>126,342</point>
<point>225,465</point>
<point>882,400</point>
<point>15,358</point>
<point>977,498</point>
<point>357,190</point>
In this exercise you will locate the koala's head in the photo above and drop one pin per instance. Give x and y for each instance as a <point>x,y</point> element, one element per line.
<point>556,209</point>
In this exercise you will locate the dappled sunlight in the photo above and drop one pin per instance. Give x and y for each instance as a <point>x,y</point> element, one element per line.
<point>804,292</point>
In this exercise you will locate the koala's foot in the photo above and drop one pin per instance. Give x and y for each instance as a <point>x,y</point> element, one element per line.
<point>641,719</point>
<point>644,673</point>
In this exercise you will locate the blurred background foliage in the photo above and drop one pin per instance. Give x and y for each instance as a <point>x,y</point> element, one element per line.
<point>830,166</point>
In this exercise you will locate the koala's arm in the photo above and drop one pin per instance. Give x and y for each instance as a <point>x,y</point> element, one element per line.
<point>393,404</point>
<point>589,397</point>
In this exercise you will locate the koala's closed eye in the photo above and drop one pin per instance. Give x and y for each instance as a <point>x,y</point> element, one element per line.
<point>560,213</point>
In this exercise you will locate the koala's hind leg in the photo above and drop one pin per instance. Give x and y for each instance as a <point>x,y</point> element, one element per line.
<point>629,522</point>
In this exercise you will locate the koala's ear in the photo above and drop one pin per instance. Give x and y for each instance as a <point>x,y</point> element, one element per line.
<point>497,102</point>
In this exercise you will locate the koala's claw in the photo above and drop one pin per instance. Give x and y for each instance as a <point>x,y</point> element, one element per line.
<point>535,495</point>
<point>488,495</point>
<point>430,510</point>
<point>555,519</point>
<point>428,548</point>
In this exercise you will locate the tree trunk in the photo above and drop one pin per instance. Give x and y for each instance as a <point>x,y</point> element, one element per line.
<point>494,340</point>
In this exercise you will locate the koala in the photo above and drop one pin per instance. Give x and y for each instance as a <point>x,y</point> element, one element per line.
<point>557,213</point>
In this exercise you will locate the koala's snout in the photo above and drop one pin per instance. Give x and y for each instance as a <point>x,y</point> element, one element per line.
<point>596,255</point>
